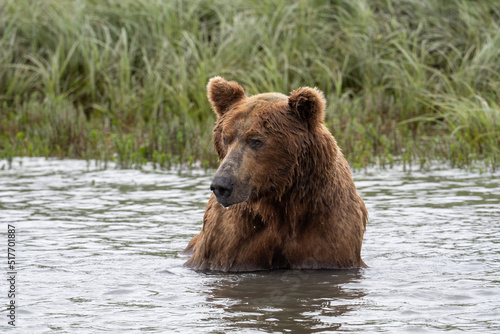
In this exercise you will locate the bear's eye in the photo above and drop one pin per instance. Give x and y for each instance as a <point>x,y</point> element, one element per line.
<point>255,143</point>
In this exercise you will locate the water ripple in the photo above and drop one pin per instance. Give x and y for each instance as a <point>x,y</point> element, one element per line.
<point>98,251</point>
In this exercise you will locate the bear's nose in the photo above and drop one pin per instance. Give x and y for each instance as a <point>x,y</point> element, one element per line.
<point>222,187</point>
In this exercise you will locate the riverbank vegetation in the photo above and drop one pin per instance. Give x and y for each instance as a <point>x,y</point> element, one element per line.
<point>406,81</point>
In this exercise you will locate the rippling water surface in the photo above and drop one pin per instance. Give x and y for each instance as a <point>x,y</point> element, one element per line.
<point>98,251</point>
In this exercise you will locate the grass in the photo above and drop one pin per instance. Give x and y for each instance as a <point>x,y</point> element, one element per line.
<point>124,80</point>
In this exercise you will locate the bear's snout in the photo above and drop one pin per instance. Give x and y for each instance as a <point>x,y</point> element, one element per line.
<point>222,188</point>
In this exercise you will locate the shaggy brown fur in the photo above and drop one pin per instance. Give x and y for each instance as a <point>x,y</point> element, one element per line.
<point>283,195</point>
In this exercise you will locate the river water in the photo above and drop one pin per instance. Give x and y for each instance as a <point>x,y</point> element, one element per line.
<point>98,251</point>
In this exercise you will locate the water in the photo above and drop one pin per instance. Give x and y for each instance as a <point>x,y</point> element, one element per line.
<point>98,251</point>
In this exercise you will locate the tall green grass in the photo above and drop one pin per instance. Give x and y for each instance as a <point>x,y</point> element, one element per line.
<point>124,80</point>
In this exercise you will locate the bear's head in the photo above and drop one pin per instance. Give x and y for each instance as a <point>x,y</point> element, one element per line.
<point>262,140</point>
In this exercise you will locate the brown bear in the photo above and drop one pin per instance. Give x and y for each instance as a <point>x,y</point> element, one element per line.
<point>283,196</point>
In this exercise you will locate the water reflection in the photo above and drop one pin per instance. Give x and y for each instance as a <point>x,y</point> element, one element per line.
<point>98,253</point>
<point>291,300</point>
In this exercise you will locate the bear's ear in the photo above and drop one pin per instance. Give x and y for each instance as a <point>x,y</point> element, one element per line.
<point>223,94</point>
<point>308,104</point>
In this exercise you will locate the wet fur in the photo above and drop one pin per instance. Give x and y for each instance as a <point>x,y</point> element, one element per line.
<point>302,211</point>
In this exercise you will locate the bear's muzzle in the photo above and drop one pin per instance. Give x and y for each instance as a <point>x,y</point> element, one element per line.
<point>222,188</point>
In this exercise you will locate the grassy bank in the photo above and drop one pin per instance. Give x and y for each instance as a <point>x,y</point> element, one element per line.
<point>124,80</point>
